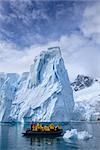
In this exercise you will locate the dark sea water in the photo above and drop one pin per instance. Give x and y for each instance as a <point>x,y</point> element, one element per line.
<point>12,139</point>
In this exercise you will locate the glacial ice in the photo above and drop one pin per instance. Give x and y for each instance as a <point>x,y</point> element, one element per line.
<point>87,103</point>
<point>43,94</point>
<point>7,94</point>
<point>79,135</point>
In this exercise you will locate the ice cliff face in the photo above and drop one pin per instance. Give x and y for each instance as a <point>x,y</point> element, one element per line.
<point>7,94</point>
<point>87,99</point>
<point>43,94</point>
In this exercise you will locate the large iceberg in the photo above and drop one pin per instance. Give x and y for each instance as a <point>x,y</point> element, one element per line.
<point>43,94</point>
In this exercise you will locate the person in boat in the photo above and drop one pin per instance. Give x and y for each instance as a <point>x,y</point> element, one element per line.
<point>57,128</point>
<point>46,128</point>
<point>39,127</point>
<point>32,125</point>
<point>52,127</point>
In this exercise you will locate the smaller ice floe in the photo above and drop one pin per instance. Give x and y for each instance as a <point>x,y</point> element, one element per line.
<point>74,134</point>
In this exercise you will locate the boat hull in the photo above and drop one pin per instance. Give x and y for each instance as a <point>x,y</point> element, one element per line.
<point>51,133</point>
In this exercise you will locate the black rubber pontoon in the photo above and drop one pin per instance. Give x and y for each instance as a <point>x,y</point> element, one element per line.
<point>43,133</point>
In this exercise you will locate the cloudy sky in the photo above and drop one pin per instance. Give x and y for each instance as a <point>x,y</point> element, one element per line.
<point>27,27</point>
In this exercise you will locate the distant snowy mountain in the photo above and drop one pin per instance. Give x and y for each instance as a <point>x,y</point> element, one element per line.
<point>87,98</point>
<point>43,94</point>
<point>82,82</point>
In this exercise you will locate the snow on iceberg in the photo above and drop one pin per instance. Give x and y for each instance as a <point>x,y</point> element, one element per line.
<point>43,94</point>
<point>74,134</point>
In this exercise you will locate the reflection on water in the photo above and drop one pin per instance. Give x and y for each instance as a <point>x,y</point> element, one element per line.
<point>12,139</point>
<point>51,144</point>
<point>44,143</point>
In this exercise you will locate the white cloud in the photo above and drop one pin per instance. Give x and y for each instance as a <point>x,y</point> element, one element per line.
<point>9,57</point>
<point>14,60</point>
<point>81,55</point>
<point>91,22</point>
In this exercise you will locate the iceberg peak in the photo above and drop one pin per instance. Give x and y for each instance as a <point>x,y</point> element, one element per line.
<point>55,50</point>
<point>43,94</point>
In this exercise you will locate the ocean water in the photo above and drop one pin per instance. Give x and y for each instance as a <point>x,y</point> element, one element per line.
<point>11,138</point>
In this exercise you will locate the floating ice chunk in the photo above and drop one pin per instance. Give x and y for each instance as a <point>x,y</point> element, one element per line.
<point>70,134</point>
<point>74,134</point>
<point>84,135</point>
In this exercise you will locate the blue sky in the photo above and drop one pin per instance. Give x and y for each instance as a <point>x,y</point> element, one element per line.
<point>27,27</point>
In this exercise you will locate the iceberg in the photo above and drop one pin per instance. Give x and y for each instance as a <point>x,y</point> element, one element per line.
<point>74,134</point>
<point>7,94</point>
<point>43,94</point>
